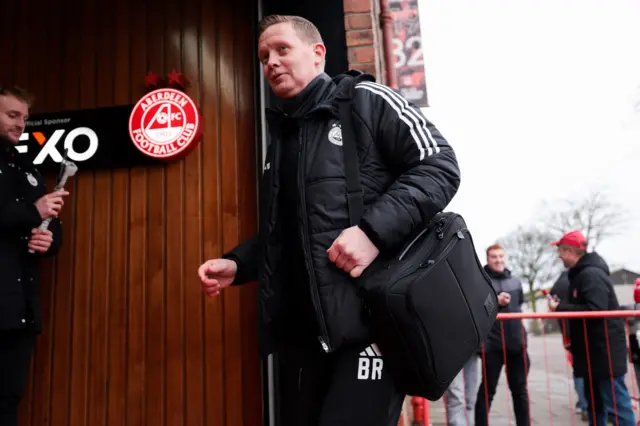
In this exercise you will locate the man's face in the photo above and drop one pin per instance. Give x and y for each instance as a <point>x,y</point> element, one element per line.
<point>495,260</point>
<point>13,115</point>
<point>289,63</point>
<point>568,256</point>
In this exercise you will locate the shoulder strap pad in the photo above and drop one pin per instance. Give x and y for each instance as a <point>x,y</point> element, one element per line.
<point>347,83</point>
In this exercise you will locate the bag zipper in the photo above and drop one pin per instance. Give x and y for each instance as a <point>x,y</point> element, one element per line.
<point>442,226</point>
<point>439,233</point>
<point>315,296</point>
<point>459,235</point>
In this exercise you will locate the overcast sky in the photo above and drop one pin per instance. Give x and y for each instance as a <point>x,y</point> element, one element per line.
<point>537,97</point>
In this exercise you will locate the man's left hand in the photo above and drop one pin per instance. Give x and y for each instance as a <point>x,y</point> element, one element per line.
<point>553,303</point>
<point>353,251</point>
<point>41,240</point>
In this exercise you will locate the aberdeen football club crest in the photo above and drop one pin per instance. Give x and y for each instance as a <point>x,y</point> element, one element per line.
<point>165,124</point>
<point>335,134</point>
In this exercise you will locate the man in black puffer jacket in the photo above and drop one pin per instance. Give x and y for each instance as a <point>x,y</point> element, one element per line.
<point>513,346</point>
<point>306,254</point>
<point>601,359</point>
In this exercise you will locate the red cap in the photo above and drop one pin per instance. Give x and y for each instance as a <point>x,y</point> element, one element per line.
<point>573,239</point>
<point>636,291</point>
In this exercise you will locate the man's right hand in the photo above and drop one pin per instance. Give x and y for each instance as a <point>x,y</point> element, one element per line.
<point>504,299</point>
<point>50,205</point>
<point>216,274</point>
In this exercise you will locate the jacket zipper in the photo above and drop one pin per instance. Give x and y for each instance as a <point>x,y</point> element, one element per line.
<point>315,296</point>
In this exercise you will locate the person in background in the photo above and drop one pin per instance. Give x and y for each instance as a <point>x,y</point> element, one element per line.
<point>510,299</point>
<point>561,290</point>
<point>461,395</point>
<point>601,358</point>
<point>634,332</point>
<point>24,203</point>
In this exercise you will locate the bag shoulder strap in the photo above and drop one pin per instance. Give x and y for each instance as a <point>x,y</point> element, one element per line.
<point>355,196</point>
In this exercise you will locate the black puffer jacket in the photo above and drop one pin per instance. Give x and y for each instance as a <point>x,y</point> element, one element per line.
<point>408,174</point>
<point>20,187</point>
<point>590,289</point>
<point>515,337</point>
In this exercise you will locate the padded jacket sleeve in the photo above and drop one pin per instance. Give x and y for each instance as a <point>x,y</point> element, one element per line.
<point>246,255</point>
<point>426,165</point>
<point>16,216</point>
<point>594,294</point>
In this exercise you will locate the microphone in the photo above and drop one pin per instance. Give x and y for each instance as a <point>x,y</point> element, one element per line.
<point>67,170</point>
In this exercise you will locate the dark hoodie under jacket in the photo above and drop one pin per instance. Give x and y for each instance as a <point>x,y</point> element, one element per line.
<point>513,331</point>
<point>590,289</point>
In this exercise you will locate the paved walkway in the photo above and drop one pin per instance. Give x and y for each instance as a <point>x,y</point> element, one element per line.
<point>550,389</point>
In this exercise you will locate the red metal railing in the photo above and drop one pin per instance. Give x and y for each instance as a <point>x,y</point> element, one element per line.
<point>559,404</point>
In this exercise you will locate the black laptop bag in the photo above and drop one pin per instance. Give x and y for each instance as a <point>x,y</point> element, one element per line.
<point>430,306</point>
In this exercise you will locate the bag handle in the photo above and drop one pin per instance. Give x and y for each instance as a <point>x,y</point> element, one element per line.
<point>355,195</point>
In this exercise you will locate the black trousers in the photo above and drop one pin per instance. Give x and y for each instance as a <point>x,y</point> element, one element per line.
<point>517,370</point>
<point>16,349</point>
<point>347,388</point>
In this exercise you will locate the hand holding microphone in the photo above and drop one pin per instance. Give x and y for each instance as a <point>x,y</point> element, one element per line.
<point>554,301</point>
<point>49,205</point>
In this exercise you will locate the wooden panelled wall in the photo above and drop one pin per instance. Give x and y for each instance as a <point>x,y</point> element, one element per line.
<point>128,337</point>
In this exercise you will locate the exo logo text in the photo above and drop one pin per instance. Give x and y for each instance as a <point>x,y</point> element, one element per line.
<point>50,146</point>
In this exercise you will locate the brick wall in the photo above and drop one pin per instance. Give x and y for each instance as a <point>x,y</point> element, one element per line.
<point>364,36</point>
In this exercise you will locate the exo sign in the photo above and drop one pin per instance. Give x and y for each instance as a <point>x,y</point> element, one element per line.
<point>51,148</point>
<point>95,138</point>
<point>165,124</point>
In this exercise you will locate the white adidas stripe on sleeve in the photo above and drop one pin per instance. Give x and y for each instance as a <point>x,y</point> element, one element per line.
<point>417,124</point>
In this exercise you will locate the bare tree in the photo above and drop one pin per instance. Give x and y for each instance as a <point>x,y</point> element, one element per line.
<point>595,214</point>
<point>531,257</point>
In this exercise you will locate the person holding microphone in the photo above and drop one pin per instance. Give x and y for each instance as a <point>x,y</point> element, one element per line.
<point>24,204</point>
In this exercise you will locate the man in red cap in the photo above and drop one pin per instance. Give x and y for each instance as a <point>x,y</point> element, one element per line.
<point>590,289</point>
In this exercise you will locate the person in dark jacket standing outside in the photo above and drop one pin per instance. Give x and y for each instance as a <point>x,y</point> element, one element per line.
<point>24,203</point>
<point>561,290</point>
<point>306,255</point>
<point>513,347</point>
<point>601,359</point>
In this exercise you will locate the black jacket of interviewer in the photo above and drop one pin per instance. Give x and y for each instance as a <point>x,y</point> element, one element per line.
<point>21,185</point>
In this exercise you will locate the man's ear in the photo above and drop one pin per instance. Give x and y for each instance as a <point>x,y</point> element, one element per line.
<point>319,51</point>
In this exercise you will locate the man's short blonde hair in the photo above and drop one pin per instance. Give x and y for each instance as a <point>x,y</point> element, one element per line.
<point>17,92</point>
<point>303,27</point>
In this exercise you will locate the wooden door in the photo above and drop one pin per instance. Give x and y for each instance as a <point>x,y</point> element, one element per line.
<point>128,337</point>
